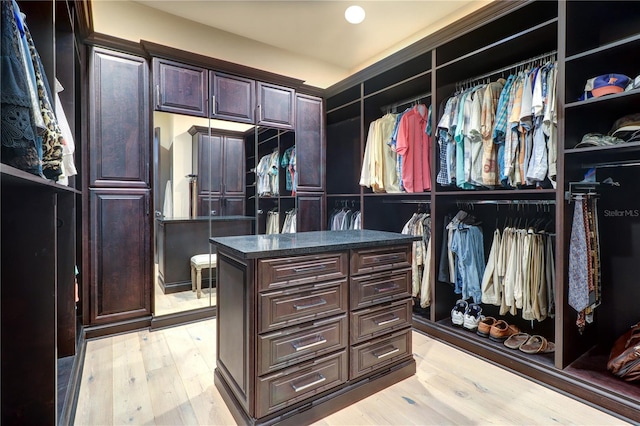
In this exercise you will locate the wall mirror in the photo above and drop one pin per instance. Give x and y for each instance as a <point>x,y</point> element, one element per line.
<point>212,178</point>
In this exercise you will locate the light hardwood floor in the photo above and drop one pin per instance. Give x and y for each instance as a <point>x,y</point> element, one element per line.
<point>165,377</point>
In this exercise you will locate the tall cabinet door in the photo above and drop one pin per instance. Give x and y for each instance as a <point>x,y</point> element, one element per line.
<point>119,247</point>
<point>207,158</point>
<point>119,120</point>
<point>233,167</point>
<point>120,252</point>
<point>310,144</point>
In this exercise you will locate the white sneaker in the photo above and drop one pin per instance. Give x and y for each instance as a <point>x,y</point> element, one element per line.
<point>472,317</point>
<point>457,313</point>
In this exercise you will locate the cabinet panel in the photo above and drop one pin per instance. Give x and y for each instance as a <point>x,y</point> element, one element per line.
<point>207,152</point>
<point>121,254</point>
<point>284,348</point>
<point>377,353</point>
<point>233,98</point>
<point>367,290</point>
<point>368,323</point>
<point>310,144</point>
<point>295,384</point>
<point>209,205</point>
<point>311,212</point>
<point>119,132</point>
<point>374,260</point>
<point>233,169</point>
<point>233,206</point>
<point>280,272</point>
<point>275,106</point>
<point>179,88</point>
<point>300,304</point>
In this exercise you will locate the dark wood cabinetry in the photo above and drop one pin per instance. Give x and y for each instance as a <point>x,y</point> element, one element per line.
<point>119,120</point>
<point>218,161</point>
<point>304,342</point>
<point>180,238</point>
<point>310,143</point>
<point>121,249</point>
<point>232,98</point>
<point>119,201</point>
<point>275,106</point>
<point>502,39</point>
<point>179,88</point>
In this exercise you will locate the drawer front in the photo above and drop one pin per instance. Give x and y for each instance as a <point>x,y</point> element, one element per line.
<point>289,386</point>
<point>296,305</point>
<point>369,323</point>
<point>378,353</point>
<point>366,261</point>
<point>284,348</point>
<point>367,290</point>
<point>274,273</point>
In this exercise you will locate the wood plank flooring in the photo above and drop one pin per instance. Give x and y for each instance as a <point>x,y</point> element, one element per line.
<point>165,377</point>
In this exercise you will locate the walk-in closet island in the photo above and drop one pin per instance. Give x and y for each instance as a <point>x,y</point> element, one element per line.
<point>309,323</point>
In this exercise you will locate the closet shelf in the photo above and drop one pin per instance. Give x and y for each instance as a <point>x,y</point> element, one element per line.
<point>498,192</point>
<point>623,147</point>
<point>399,84</point>
<point>344,195</point>
<point>398,194</point>
<point>607,98</point>
<point>19,177</point>
<point>604,48</point>
<point>523,38</point>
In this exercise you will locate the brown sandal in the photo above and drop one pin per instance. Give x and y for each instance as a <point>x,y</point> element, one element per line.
<point>516,340</point>
<point>537,345</point>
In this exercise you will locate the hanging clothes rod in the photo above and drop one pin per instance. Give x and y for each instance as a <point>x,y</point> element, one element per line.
<point>406,201</point>
<point>547,55</point>
<point>623,163</point>
<point>389,107</point>
<point>507,202</point>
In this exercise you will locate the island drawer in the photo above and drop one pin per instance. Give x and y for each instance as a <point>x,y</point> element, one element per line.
<point>367,290</point>
<point>377,353</point>
<point>365,261</point>
<point>369,323</point>
<point>295,305</point>
<point>280,272</point>
<point>295,344</point>
<point>279,390</point>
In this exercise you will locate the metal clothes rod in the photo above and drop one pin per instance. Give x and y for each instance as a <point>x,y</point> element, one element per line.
<point>506,202</point>
<point>510,67</point>
<point>404,102</point>
<point>623,163</point>
<point>406,201</point>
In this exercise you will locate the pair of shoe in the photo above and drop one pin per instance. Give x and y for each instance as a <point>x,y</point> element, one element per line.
<point>496,330</point>
<point>535,344</point>
<point>466,315</point>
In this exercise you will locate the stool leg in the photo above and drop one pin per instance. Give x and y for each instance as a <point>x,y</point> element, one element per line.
<point>198,282</point>
<point>193,278</point>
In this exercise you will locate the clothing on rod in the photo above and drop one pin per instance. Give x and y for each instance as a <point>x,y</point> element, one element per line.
<point>420,225</point>
<point>289,226</point>
<point>344,218</point>
<point>501,134</point>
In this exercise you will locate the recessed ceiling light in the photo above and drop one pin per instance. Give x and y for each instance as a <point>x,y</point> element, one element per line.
<point>354,14</point>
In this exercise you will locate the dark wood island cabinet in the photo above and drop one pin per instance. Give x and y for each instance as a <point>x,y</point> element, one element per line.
<point>309,323</point>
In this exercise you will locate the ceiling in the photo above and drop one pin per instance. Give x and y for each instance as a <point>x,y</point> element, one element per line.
<point>317,28</point>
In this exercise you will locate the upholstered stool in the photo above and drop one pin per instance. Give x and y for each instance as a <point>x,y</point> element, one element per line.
<point>198,262</point>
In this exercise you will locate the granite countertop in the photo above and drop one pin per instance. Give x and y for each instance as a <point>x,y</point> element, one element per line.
<point>204,218</point>
<point>260,246</point>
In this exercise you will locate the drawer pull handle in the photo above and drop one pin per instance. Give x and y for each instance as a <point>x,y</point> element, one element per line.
<point>392,351</point>
<point>389,321</point>
<point>320,302</point>
<point>391,287</point>
<point>387,258</point>
<point>320,379</point>
<point>318,340</point>
<point>309,269</point>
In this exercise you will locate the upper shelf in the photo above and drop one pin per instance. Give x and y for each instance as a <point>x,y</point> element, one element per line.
<point>18,178</point>
<point>587,29</point>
